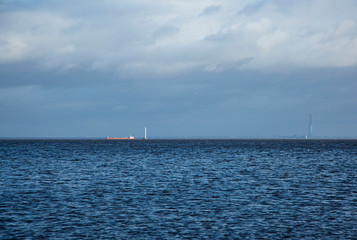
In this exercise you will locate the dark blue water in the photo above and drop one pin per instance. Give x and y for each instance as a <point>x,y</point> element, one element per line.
<point>178,189</point>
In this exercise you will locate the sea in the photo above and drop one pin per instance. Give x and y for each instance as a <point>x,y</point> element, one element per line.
<point>178,189</point>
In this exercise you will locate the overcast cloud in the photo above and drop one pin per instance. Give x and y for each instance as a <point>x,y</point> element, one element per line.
<point>183,68</point>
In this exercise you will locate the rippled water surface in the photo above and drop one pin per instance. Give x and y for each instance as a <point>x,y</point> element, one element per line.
<point>178,189</point>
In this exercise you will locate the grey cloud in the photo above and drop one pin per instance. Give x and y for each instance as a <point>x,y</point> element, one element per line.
<point>115,36</point>
<point>165,31</point>
<point>252,8</point>
<point>109,67</point>
<point>245,102</point>
<point>211,10</point>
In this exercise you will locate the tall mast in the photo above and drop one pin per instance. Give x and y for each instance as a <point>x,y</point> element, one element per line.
<point>145,134</point>
<point>309,135</point>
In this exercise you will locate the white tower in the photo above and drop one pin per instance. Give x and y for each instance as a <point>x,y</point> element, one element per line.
<point>145,134</point>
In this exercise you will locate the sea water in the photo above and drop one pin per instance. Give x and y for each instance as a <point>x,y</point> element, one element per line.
<point>202,189</point>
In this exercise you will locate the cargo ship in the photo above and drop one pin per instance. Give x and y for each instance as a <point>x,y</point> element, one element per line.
<point>126,138</point>
<point>117,138</point>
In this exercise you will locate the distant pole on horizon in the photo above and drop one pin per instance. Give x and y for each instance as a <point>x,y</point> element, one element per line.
<point>309,134</point>
<point>145,134</point>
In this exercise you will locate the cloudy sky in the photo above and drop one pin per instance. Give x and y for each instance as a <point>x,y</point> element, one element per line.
<point>230,68</point>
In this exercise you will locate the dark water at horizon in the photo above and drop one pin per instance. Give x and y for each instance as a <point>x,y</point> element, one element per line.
<point>178,189</point>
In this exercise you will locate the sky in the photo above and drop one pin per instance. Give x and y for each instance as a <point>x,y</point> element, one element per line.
<point>223,68</point>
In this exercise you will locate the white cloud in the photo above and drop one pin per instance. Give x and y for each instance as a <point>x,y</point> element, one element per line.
<point>345,28</point>
<point>167,37</point>
<point>272,40</point>
<point>13,49</point>
<point>260,27</point>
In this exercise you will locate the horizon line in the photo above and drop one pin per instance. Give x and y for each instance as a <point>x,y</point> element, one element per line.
<point>178,138</point>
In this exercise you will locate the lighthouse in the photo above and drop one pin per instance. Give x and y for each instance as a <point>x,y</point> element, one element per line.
<point>145,134</point>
